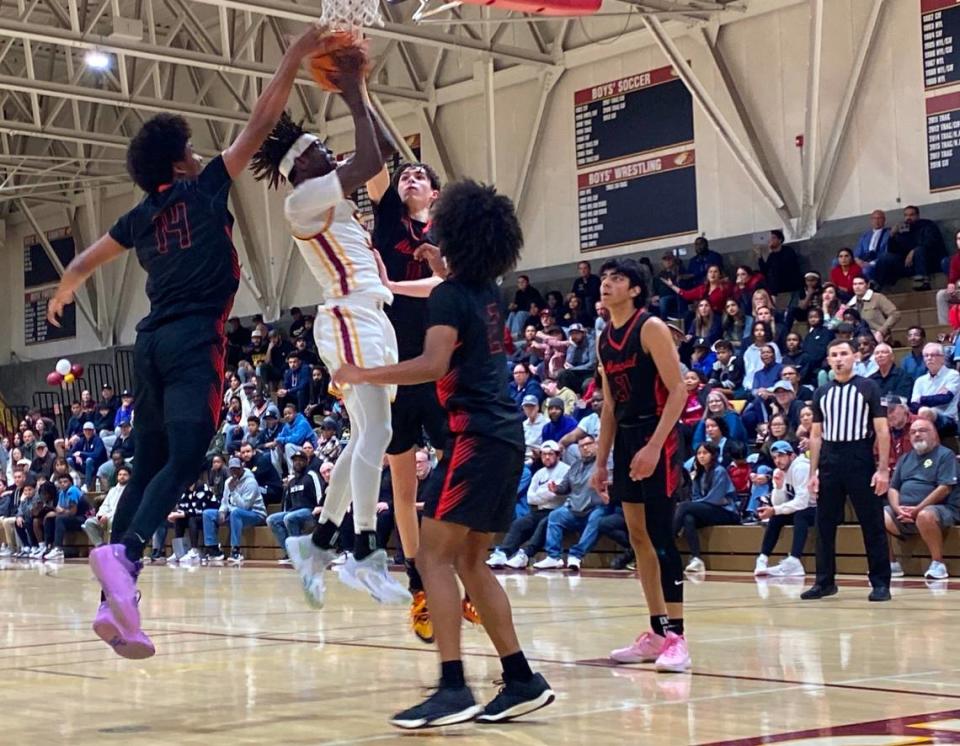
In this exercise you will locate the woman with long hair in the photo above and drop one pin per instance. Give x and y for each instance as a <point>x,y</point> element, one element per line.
<point>831,306</point>
<point>705,324</point>
<point>735,326</point>
<point>752,362</point>
<point>715,289</point>
<point>718,408</point>
<point>746,282</point>
<point>778,428</point>
<point>842,275</point>
<point>714,502</point>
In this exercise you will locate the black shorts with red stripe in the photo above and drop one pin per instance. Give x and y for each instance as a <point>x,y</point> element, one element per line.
<point>480,480</point>
<point>666,478</point>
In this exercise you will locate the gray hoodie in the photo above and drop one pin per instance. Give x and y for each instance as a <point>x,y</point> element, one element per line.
<point>243,493</point>
<point>576,483</point>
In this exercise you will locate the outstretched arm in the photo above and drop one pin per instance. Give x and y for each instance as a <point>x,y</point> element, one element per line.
<point>379,184</point>
<point>367,160</point>
<point>434,363</point>
<point>102,251</point>
<point>266,112</point>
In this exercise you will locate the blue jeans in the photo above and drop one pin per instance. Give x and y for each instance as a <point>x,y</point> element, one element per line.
<point>238,519</point>
<point>89,472</point>
<point>563,519</point>
<point>290,523</point>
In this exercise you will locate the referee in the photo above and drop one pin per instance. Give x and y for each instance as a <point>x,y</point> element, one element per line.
<point>847,418</point>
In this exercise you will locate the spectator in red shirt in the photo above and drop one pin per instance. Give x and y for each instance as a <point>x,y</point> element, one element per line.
<point>748,280</point>
<point>899,420</point>
<point>842,275</point>
<point>716,289</point>
<point>948,299</point>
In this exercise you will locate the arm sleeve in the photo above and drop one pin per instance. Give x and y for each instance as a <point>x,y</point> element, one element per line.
<point>307,208</point>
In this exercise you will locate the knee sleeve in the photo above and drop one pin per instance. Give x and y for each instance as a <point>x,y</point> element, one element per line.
<point>659,515</point>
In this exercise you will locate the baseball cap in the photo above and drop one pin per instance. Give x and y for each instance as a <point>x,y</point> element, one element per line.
<point>88,426</point>
<point>126,423</point>
<point>126,392</point>
<point>298,453</point>
<point>531,401</point>
<point>106,386</point>
<point>41,444</point>
<point>256,333</point>
<point>555,401</point>
<point>781,446</point>
<point>329,423</point>
<point>701,342</point>
<point>783,386</point>
<point>235,463</point>
<point>550,445</point>
<point>893,400</point>
<point>576,328</point>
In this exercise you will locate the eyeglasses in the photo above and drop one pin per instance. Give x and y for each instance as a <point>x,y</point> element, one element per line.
<point>933,354</point>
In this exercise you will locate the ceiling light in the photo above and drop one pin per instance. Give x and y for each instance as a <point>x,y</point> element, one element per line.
<point>96,60</point>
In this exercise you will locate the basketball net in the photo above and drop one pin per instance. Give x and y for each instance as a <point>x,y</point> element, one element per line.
<point>351,14</point>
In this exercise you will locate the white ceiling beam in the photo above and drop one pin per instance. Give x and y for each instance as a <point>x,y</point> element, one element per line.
<point>811,126</point>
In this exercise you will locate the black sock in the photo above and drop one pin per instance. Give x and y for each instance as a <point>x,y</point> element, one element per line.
<point>516,668</point>
<point>364,544</point>
<point>659,624</point>
<point>675,626</point>
<point>325,535</point>
<point>451,675</point>
<point>413,575</point>
<point>134,547</point>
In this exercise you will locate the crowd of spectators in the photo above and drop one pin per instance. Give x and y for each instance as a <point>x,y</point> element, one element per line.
<point>752,341</point>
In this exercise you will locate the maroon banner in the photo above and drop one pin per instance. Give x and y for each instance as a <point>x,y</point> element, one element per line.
<point>625,85</point>
<point>931,6</point>
<point>636,169</point>
<point>940,104</point>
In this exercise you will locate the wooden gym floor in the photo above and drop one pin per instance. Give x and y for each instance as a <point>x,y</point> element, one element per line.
<point>242,660</point>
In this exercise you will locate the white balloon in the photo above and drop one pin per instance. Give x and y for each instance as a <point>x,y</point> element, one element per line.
<point>63,366</point>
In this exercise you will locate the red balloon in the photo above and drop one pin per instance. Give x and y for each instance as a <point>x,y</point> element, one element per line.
<point>77,370</point>
<point>54,378</point>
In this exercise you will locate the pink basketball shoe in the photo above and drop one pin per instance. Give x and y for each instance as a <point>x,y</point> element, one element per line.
<point>134,647</point>
<point>118,579</point>
<point>646,648</point>
<point>675,657</point>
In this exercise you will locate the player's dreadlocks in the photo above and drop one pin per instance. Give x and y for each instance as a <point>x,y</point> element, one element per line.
<point>265,163</point>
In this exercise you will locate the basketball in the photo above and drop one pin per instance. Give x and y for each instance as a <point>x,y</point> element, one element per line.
<point>343,51</point>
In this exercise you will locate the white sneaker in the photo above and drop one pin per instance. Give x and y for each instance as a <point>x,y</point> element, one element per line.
<point>190,558</point>
<point>284,561</point>
<point>791,567</point>
<point>53,555</point>
<point>761,567</point>
<point>372,574</point>
<point>340,558</point>
<point>549,563</point>
<point>497,559</point>
<point>5,551</point>
<point>39,551</point>
<point>937,571</point>
<point>573,563</point>
<point>896,571</point>
<point>172,561</point>
<point>310,561</point>
<point>695,565</point>
<point>519,561</point>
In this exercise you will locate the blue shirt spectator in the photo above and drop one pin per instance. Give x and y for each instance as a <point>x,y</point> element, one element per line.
<point>523,384</point>
<point>560,424</point>
<point>702,260</point>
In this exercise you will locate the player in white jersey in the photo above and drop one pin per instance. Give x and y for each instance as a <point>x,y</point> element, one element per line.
<point>351,327</point>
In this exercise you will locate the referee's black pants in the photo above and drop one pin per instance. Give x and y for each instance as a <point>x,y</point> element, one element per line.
<point>846,469</point>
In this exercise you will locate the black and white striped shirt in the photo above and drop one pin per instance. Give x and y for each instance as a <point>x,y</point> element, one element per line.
<point>846,410</point>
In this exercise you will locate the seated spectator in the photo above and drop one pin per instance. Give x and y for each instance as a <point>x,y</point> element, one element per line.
<point>308,357</point>
<point>780,398</point>
<point>9,506</point>
<point>88,454</point>
<point>559,424</point>
<point>727,373</point>
<point>295,388</point>
<point>523,354</point>
<point>746,282</point>
<point>581,359</point>
<point>533,423</point>
<point>574,312</point>
<point>832,307</point>
<point>916,250</point>
<point>256,351</point>
<point>98,527</point>
<point>694,407</point>
<point>552,344</point>
<point>914,364</point>
<point>815,343</point>
<point>667,300</point>
<point>890,377</point>
<point>861,328</point>
<point>705,324</point>
<point>698,268</point>
<point>302,498</point>
<point>588,425</point>
<point>779,326</point>
<point>948,299</point>
<point>268,479</point>
<point>872,244</point>
<point>107,473</point>
<point>778,428</point>
<point>752,360</point>
<point>74,431</point>
<point>523,385</point>
<point>42,464</point>
<point>769,371</point>
<point>329,446</point>
<point>318,397</point>
<point>28,444</point>
<point>587,285</point>
<point>125,412</point>
<point>735,325</point>
<point>843,274</point>
<point>899,420</point>
<point>702,358</point>
<point>795,356</point>
<point>715,432</point>
<point>792,505</point>
<point>875,309</point>
<point>24,522</point>
<point>520,307</point>
<point>792,376</point>
<point>714,503</point>
<point>66,516</point>
<point>719,407</point>
<point>527,534</point>
<point>270,371</point>
<point>923,496</point>
<point>865,366</point>
<point>46,432</point>
<point>715,290</point>
<point>295,432</point>
<point>232,427</point>
<point>261,406</point>
<point>253,437</point>
<point>938,389</point>
<point>242,506</point>
<point>581,512</point>
<point>810,297</point>
<point>781,267</point>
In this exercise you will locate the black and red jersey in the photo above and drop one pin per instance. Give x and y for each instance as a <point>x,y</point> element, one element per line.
<point>474,391</point>
<point>183,236</point>
<point>397,236</point>
<point>638,392</point>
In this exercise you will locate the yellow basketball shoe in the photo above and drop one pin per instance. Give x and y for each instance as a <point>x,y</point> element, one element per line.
<point>420,621</point>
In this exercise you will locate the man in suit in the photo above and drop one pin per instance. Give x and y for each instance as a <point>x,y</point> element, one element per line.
<point>872,244</point>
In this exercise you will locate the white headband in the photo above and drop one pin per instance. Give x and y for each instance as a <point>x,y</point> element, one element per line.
<point>296,150</point>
